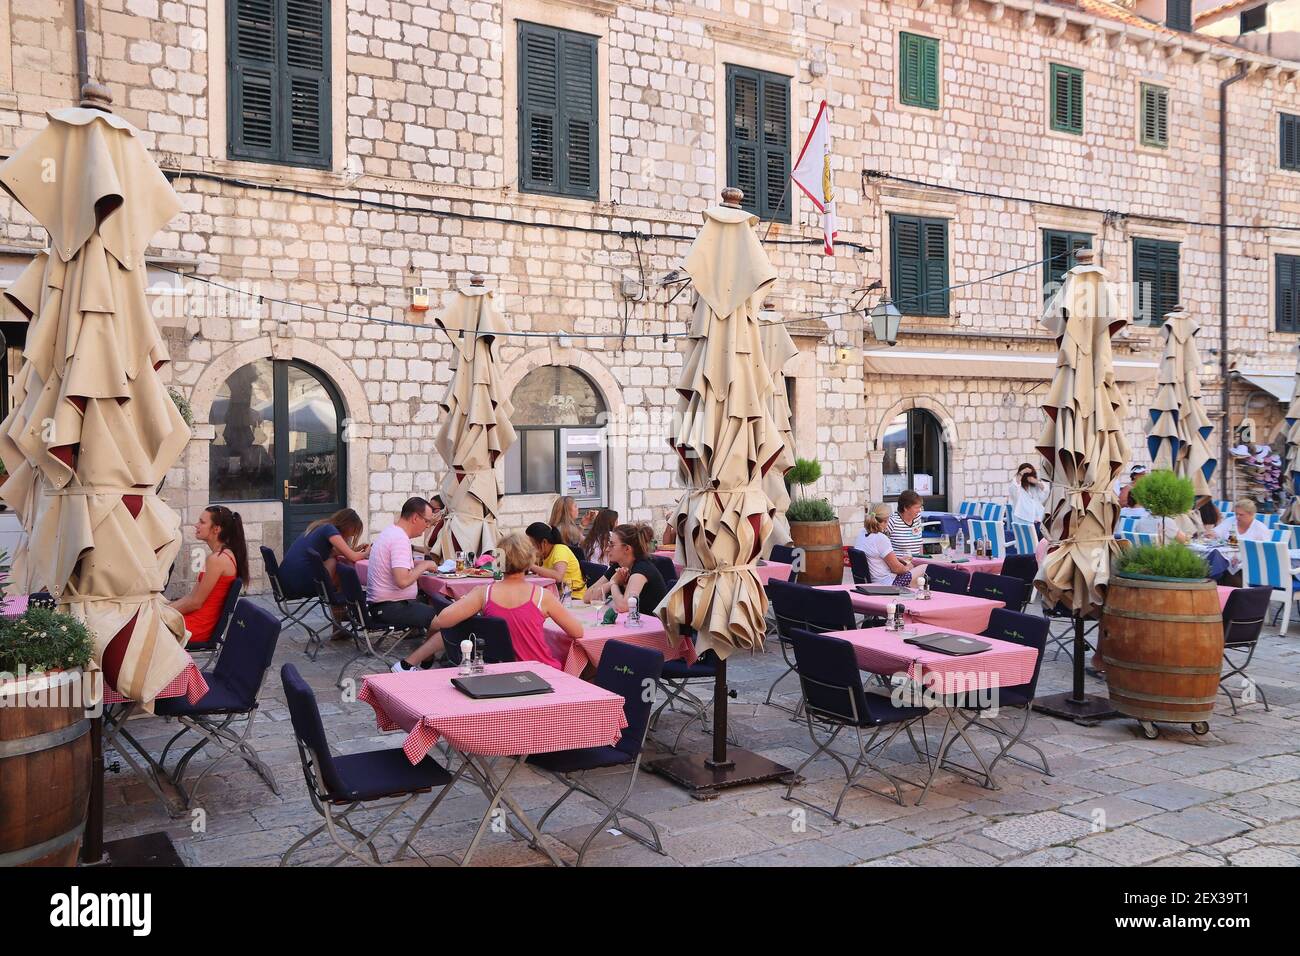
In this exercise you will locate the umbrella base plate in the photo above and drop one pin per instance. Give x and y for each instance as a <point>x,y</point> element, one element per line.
<point>1088,711</point>
<point>703,778</point>
<point>151,849</point>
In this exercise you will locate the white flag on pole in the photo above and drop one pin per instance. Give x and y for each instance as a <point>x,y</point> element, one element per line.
<point>812,174</point>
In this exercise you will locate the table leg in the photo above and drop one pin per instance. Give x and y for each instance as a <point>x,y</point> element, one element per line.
<point>117,736</point>
<point>503,797</point>
<point>953,719</point>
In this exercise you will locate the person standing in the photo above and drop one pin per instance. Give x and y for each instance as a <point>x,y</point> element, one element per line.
<point>392,577</point>
<point>1028,496</point>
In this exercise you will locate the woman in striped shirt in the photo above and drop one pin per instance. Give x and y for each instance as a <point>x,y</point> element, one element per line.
<point>904,530</point>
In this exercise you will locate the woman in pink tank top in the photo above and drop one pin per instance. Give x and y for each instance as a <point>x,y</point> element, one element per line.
<point>523,606</point>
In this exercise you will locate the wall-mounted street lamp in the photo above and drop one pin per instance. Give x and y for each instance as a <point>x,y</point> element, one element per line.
<point>885,318</point>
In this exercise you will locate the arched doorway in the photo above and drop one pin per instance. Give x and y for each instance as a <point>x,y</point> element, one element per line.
<point>916,456</point>
<point>560,418</point>
<point>279,437</point>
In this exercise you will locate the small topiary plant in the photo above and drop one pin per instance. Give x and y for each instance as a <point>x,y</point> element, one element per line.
<point>1162,561</point>
<point>43,639</point>
<point>1165,495</point>
<point>804,473</point>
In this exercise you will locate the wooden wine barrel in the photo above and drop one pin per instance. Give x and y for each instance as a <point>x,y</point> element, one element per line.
<point>1162,648</point>
<point>823,554</point>
<point>44,773</point>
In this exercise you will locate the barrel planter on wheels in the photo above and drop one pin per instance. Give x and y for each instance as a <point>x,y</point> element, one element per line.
<point>45,769</point>
<point>1162,647</point>
<point>823,552</point>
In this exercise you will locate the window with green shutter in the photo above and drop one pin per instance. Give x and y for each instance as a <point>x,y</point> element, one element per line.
<point>1155,115</point>
<point>1059,248</point>
<point>278,58</point>
<point>758,140</point>
<point>918,83</point>
<point>1066,99</point>
<point>1178,15</point>
<point>919,265</point>
<point>1289,137</point>
<point>559,148</point>
<point>1288,293</point>
<point>1155,277</point>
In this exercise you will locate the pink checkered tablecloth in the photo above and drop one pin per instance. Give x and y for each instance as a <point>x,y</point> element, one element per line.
<point>577,654</point>
<point>767,571</point>
<point>429,708</point>
<point>454,588</point>
<point>959,612</point>
<point>970,565</point>
<point>188,684</point>
<point>883,652</point>
<point>1223,596</point>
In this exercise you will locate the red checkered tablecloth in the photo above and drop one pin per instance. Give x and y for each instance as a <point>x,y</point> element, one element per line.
<point>959,612</point>
<point>883,652</point>
<point>577,654</point>
<point>429,708</point>
<point>970,565</point>
<point>454,588</point>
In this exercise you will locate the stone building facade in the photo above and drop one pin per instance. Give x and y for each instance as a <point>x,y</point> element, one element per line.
<point>422,188</point>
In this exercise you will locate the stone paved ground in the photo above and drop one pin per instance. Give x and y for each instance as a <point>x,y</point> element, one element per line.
<point>1229,798</point>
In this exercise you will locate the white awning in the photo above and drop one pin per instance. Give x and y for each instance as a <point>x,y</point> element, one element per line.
<point>1033,366</point>
<point>1278,384</point>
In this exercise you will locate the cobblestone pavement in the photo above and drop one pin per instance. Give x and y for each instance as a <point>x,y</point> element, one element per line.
<point>1229,798</point>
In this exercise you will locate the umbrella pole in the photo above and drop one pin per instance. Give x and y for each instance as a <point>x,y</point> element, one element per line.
<point>719,760</point>
<point>1075,704</point>
<point>92,844</point>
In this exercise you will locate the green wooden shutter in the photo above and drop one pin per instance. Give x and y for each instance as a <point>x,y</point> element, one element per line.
<point>918,58</point>
<point>253,32</point>
<point>539,113</point>
<point>578,114</point>
<point>1178,15</point>
<point>930,73</point>
<point>742,135</point>
<point>775,99</point>
<point>907,272</point>
<point>306,89</point>
<point>1146,276</point>
<point>1059,248</point>
<point>1067,99</point>
<point>1155,115</point>
<point>1290,141</point>
<point>1287,274</point>
<point>1168,301</point>
<point>934,233</point>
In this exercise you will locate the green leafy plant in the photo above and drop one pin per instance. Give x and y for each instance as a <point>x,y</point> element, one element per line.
<point>806,472</point>
<point>182,405</point>
<point>1163,561</point>
<point>810,509</point>
<point>44,640</point>
<point>1164,494</point>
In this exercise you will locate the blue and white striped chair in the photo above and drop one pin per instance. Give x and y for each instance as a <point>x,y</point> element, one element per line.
<point>1138,538</point>
<point>1281,534</point>
<point>1127,524</point>
<point>994,512</point>
<point>990,531</point>
<point>1026,537</point>
<point>1224,507</point>
<point>1268,564</point>
<point>970,509</point>
<point>1291,529</point>
<point>1270,521</point>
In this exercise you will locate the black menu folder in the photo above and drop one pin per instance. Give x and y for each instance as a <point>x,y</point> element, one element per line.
<point>952,644</point>
<point>491,686</point>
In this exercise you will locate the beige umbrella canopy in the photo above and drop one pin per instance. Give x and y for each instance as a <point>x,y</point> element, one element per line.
<point>778,350</point>
<point>1291,481</point>
<point>476,429</point>
<point>93,430</point>
<point>1083,441</point>
<point>1179,431</point>
<point>725,438</point>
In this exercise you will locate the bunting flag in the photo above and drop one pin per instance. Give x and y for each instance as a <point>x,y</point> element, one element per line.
<point>812,174</point>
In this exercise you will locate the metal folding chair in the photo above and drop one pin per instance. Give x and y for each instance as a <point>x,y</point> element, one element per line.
<point>1243,620</point>
<point>1029,631</point>
<point>291,610</point>
<point>368,635</point>
<point>801,606</point>
<point>628,671</point>
<point>212,646</point>
<point>858,566</point>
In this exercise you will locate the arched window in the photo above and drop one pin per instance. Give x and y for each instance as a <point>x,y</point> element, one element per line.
<point>559,416</point>
<point>279,437</point>
<point>916,457</point>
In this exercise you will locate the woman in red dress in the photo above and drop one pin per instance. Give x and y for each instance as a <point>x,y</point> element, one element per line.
<point>222,530</point>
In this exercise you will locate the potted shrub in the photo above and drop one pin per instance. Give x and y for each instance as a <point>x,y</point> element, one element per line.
<point>1162,630</point>
<point>45,779</point>
<point>814,528</point>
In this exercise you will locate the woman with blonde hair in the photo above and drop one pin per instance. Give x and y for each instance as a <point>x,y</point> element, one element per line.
<point>524,607</point>
<point>330,538</point>
<point>564,516</point>
<point>884,565</point>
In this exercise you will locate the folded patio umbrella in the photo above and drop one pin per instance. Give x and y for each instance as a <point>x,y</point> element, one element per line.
<point>1082,441</point>
<point>1179,431</point>
<point>1291,457</point>
<point>725,438</point>
<point>778,350</point>
<point>476,429</point>
<point>93,430</point>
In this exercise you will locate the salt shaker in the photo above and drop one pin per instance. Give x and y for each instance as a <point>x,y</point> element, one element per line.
<point>633,618</point>
<point>466,658</point>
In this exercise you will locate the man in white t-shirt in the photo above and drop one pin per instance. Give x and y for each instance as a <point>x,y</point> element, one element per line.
<point>393,574</point>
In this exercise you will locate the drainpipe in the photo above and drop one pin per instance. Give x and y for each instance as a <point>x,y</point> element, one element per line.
<point>83,58</point>
<point>1225,426</point>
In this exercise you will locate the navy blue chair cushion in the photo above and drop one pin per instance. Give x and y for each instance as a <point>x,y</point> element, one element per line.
<point>629,671</point>
<point>492,632</point>
<point>220,699</point>
<point>322,577</point>
<point>782,554</point>
<point>592,572</point>
<point>667,569</point>
<point>223,620</point>
<point>585,758</point>
<point>801,606</point>
<point>1244,614</point>
<point>859,567</point>
<point>1022,566</point>
<point>384,773</point>
<point>946,579</point>
<point>234,683</point>
<point>307,726</point>
<point>832,683</point>
<point>1027,630</point>
<point>999,587</point>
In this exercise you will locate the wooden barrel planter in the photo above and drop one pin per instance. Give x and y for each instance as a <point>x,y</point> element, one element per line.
<point>823,553</point>
<point>44,770</point>
<point>1163,650</point>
